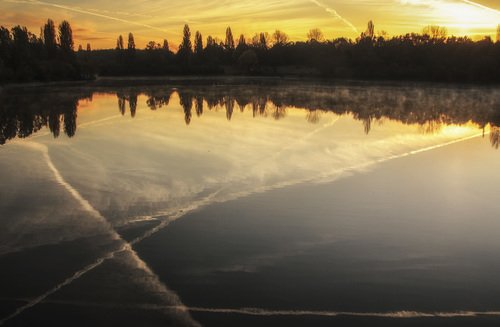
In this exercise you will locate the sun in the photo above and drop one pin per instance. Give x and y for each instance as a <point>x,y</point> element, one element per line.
<point>466,17</point>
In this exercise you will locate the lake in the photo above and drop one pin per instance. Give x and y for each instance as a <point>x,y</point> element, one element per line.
<point>268,203</point>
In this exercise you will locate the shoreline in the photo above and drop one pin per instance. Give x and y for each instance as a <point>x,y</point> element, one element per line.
<point>132,81</point>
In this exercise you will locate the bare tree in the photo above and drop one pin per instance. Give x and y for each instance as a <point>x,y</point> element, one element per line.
<point>280,38</point>
<point>370,31</point>
<point>315,35</point>
<point>435,32</point>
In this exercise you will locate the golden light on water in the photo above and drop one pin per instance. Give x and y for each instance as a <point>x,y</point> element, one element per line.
<point>459,130</point>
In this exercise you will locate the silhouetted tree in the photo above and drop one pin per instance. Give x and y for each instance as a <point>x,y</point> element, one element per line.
<point>370,30</point>
<point>498,33</point>
<point>210,41</point>
<point>66,37</point>
<point>49,37</point>
<point>435,32</point>
<point>186,40</point>
<point>315,35</point>
<point>280,38</point>
<point>264,40</point>
<point>242,41</point>
<point>131,42</point>
<point>119,43</point>
<point>229,39</point>
<point>88,47</point>
<point>198,43</point>
<point>185,48</point>
<point>165,45</point>
<point>152,45</point>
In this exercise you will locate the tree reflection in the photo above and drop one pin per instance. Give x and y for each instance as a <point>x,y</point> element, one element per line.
<point>431,108</point>
<point>186,102</point>
<point>495,136</point>
<point>23,114</point>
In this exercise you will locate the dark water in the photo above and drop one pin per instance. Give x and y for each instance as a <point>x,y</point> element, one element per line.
<point>250,205</point>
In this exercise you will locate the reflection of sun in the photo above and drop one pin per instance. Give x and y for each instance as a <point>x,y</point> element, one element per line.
<point>457,131</point>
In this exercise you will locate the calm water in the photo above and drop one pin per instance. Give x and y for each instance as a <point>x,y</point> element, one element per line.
<point>250,205</point>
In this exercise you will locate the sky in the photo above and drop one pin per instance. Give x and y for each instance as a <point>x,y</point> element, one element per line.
<point>100,22</point>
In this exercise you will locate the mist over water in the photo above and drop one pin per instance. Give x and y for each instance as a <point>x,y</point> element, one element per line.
<point>190,200</point>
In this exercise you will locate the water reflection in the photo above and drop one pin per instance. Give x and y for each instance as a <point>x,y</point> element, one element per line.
<point>22,114</point>
<point>139,175</point>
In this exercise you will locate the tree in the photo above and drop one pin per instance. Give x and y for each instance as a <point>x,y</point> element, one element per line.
<point>248,60</point>
<point>242,41</point>
<point>119,43</point>
<point>49,37</point>
<point>280,38</point>
<point>198,43</point>
<point>370,31</point>
<point>152,45</point>
<point>210,41</point>
<point>186,40</point>
<point>131,42</point>
<point>435,32</point>
<point>88,47</point>
<point>263,40</point>
<point>315,35</point>
<point>498,33</point>
<point>66,37</point>
<point>229,39</point>
<point>80,48</point>
<point>165,45</point>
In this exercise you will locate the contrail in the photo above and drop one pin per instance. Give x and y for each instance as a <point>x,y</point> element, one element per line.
<point>481,6</point>
<point>335,14</point>
<point>87,12</point>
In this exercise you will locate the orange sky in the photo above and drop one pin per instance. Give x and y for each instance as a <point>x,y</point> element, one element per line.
<point>99,23</point>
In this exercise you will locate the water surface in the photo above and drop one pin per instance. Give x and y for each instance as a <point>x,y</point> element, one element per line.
<point>274,204</point>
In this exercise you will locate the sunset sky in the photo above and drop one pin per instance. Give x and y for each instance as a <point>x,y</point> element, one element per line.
<point>100,22</point>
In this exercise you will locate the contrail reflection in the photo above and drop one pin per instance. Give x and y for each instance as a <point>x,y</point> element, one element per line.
<point>172,215</point>
<point>125,247</point>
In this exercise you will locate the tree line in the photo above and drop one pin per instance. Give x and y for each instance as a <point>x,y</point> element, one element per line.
<point>26,57</point>
<point>431,55</point>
